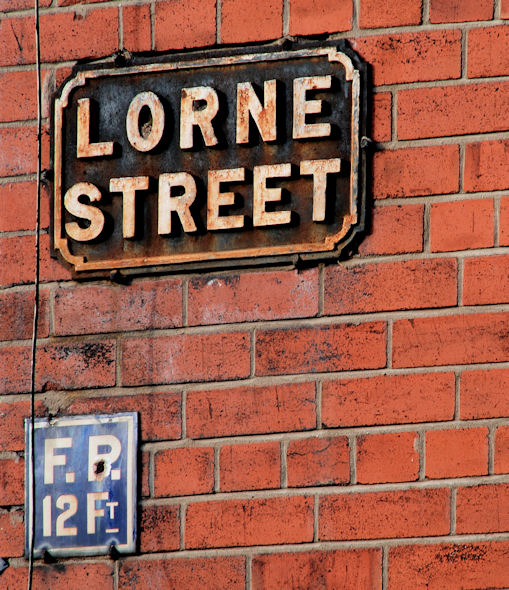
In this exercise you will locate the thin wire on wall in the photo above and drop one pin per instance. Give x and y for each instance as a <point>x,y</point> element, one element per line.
<point>36,299</point>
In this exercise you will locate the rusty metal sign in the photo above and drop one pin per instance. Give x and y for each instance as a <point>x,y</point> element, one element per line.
<point>200,161</point>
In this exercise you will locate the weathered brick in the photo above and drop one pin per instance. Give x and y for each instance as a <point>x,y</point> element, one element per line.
<point>462,225</point>
<point>487,55</point>
<point>384,515</point>
<point>381,117</point>
<point>502,449</point>
<point>457,11</point>
<point>12,481</point>
<point>12,425</point>
<point>184,23</point>
<point>240,523</point>
<point>18,151</point>
<point>318,461</point>
<point>10,5</point>
<point>18,261</point>
<point>323,348</point>
<point>446,456</point>
<point>19,101</point>
<point>453,110</point>
<point>449,340</point>
<point>238,298</point>
<point>311,17</point>
<point>387,457</point>
<point>59,366</point>
<point>251,410</point>
<point>396,399</point>
<point>253,466</point>
<point>395,229</point>
<point>21,196</point>
<point>12,529</point>
<point>410,172</point>
<point>115,308</point>
<point>486,280</point>
<point>144,476</point>
<point>183,472</point>
<point>484,394</point>
<point>184,358</point>
<point>17,313</point>
<point>160,414</point>
<point>159,529</point>
<point>504,9</point>
<point>413,284</point>
<point>93,576</point>
<point>412,57</point>
<point>374,14</point>
<point>318,569</point>
<point>486,166</point>
<point>482,509</point>
<point>136,27</point>
<point>451,566</point>
<point>213,573</point>
<point>239,24</point>
<point>503,232</point>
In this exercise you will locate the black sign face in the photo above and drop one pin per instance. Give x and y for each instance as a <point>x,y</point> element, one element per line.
<point>203,161</point>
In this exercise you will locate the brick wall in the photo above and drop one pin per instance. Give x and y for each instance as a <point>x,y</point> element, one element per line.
<point>339,427</point>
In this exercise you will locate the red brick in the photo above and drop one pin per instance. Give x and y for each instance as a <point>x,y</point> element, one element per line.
<point>21,196</point>
<point>384,515</point>
<point>18,261</point>
<point>251,410</point>
<point>254,466</point>
<point>411,172</point>
<point>484,394</point>
<point>502,449</point>
<point>311,17</point>
<point>239,24</point>
<point>395,229</point>
<point>115,308</point>
<point>462,225</point>
<point>12,529</point>
<point>320,349</point>
<point>395,399</point>
<point>91,575</point>
<point>8,5</point>
<point>240,523</point>
<point>412,57</point>
<point>185,357</point>
<point>12,425</point>
<point>253,297</point>
<point>160,413</point>
<point>17,313</point>
<point>12,481</point>
<point>18,150</point>
<point>387,457</point>
<point>482,509</point>
<point>145,467</point>
<point>159,529</point>
<point>451,566</point>
<point>183,472</point>
<point>184,23</point>
<point>447,455</point>
<point>414,284</point>
<point>486,280</point>
<point>318,461</point>
<point>359,569</point>
<point>503,236</point>
<point>213,573</point>
<point>374,14</point>
<point>504,9</point>
<point>59,366</point>
<point>487,55</point>
<point>486,166</point>
<point>19,100</point>
<point>458,11</point>
<point>453,110</point>
<point>136,27</point>
<point>450,340</point>
<point>381,122</point>
<point>17,40</point>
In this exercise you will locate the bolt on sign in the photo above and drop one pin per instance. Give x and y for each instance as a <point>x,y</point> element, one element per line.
<point>216,159</point>
<point>85,484</point>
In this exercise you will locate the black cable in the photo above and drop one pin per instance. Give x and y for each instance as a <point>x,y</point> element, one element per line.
<point>36,300</point>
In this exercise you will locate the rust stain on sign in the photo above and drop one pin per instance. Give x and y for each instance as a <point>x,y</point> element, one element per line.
<point>192,161</point>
